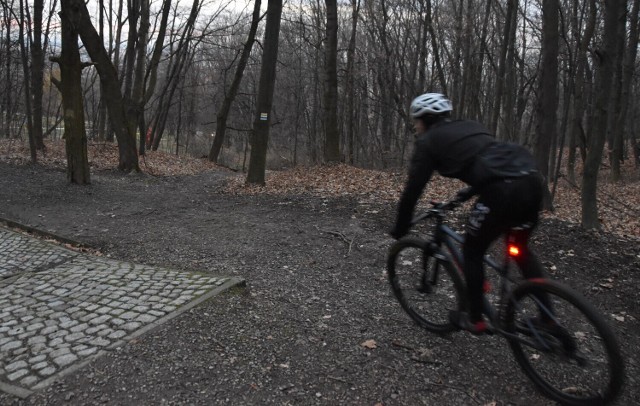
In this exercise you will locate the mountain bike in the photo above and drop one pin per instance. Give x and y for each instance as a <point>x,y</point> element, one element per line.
<point>559,340</point>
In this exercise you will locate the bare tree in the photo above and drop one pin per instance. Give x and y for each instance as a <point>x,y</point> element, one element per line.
<point>260,133</point>
<point>625,86</point>
<point>582,41</point>
<point>151,74</point>
<point>615,135</point>
<point>223,112</point>
<point>332,136</point>
<point>79,15</point>
<point>547,105</point>
<point>434,44</point>
<point>181,59</point>
<point>37,72</point>
<point>503,63</point>
<point>25,20</point>
<point>71,90</point>
<point>605,59</point>
<point>349,90</point>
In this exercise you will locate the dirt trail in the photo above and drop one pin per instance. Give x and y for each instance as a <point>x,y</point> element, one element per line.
<point>316,291</point>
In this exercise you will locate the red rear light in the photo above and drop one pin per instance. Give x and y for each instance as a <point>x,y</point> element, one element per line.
<point>514,251</point>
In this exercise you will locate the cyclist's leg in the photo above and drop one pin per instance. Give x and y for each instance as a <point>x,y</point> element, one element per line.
<point>527,260</point>
<point>527,193</point>
<point>531,268</point>
<point>483,227</point>
<point>501,205</point>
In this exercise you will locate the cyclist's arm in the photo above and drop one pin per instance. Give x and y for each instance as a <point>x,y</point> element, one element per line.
<point>420,172</point>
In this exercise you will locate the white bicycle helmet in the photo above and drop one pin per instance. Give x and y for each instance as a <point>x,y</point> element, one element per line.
<point>429,103</point>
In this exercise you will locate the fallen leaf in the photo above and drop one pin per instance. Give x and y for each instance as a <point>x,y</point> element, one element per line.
<point>572,390</point>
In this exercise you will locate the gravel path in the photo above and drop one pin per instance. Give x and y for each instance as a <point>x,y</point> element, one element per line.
<point>316,291</point>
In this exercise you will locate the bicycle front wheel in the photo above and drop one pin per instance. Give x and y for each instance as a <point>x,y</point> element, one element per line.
<point>426,284</point>
<point>563,344</point>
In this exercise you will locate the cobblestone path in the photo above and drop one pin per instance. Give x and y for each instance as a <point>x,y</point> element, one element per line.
<point>59,308</point>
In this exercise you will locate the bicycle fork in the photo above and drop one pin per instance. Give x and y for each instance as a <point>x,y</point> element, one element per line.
<point>430,279</point>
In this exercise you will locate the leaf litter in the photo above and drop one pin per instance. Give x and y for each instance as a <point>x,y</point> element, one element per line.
<point>618,202</point>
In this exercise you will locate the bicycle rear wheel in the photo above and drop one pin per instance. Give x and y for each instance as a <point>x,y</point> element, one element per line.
<point>426,285</point>
<point>569,352</point>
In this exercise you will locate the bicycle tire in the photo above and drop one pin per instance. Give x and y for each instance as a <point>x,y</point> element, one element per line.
<point>429,310</point>
<point>582,363</point>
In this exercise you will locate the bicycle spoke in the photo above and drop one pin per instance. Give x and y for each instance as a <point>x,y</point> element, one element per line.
<point>567,351</point>
<point>424,287</point>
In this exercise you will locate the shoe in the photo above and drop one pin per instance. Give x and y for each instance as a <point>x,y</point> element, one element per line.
<point>461,320</point>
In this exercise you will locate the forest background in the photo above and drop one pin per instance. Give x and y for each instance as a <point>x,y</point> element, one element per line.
<point>253,86</point>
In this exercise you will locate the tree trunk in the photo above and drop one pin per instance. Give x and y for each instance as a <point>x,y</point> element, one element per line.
<point>627,76</point>
<point>114,49</point>
<point>133,14</point>
<point>605,59</point>
<point>350,88</point>
<point>70,86</point>
<point>475,109</point>
<point>332,136</point>
<point>37,69</point>
<point>6,95</point>
<point>615,134</point>
<point>175,74</point>
<point>507,129</point>
<point>79,15</point>
<point>136,101</point>
<point>436,52</point>
<point>511,19</point>
<point>27,86</point>
<point>260,132</point>
<point>548,94</point>
<point>582,45</point>
<point>458,10</point>
<point>152,69</point>
<point>635,146</point>
<point>223,113</point>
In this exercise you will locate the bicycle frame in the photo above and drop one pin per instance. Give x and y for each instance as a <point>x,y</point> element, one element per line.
<point>445,236</point>
<point>530,314</point>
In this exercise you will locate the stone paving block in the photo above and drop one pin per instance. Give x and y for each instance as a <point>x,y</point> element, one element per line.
<point>15,366</point>
<point>23,254</point>
<point>17,375</point>
<point>65,360</point>
<point>38,358</point>
<point>59,307</point>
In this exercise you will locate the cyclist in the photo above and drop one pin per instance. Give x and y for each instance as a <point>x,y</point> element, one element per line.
<point>504,177</point>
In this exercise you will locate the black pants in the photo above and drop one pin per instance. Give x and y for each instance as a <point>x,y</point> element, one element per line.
<point>501,205</point>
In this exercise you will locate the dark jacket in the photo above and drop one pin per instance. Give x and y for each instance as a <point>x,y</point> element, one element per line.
<point>461,149</point>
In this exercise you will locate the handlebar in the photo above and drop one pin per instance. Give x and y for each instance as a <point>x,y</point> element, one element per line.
<point>439,208</point>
